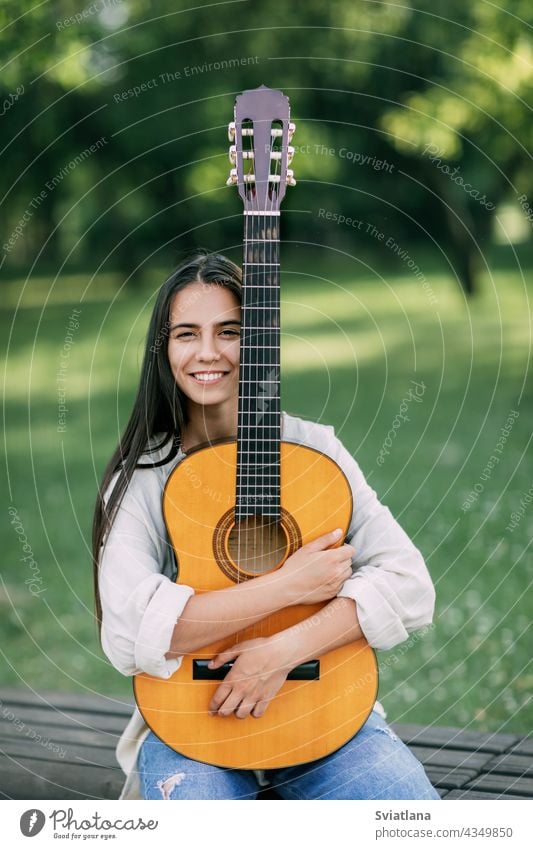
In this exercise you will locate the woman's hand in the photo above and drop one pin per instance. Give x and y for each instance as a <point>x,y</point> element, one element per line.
<point>259,670</point>
<point>316,572</point>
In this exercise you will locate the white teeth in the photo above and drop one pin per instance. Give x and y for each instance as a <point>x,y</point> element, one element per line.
<point>210,376</point>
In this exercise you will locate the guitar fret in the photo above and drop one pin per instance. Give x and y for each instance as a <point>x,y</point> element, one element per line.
<point>274,475</point>
<point>260,507</point>
<point>257,503</point>
<point>240,514</point>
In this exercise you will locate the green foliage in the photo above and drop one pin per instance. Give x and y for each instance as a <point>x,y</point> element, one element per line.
<point>158,81</point>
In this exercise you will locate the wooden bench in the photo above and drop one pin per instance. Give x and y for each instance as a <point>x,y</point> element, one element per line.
<point>62,746</point>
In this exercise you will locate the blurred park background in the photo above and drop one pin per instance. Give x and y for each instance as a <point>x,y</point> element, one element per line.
<point>406,259</point>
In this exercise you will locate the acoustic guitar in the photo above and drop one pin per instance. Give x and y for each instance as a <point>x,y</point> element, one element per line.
<point>236,509</point>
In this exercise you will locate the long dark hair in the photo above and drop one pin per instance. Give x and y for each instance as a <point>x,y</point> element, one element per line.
<point>159,407</point>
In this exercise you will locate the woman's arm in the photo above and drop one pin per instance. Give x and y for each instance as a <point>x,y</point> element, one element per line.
<point>142,609</point>
<point>390,584</point>
<point>314,573</point>
<point>261,666</point>
<point>211,616</point>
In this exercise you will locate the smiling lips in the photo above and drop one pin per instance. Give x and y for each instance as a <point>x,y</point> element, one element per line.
<point>208,376</point>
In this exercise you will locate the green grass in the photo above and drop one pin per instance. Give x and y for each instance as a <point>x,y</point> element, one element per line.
<point>350,351</point>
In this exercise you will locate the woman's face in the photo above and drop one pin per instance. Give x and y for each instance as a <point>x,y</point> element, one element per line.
<point>204,343</point>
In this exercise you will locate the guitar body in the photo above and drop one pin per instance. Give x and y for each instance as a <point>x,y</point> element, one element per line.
<point>307,719</point>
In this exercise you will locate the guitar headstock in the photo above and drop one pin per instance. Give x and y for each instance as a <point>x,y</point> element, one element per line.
<point>261,152</point>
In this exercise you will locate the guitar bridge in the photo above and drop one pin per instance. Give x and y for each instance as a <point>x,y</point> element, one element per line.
<point>309,671</point>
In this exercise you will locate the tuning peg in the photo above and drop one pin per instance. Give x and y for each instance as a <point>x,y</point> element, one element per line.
<point>277,155</point>
<point>290,177</point>
<point>292,128</point>
<point>246,154</point>
<point>231,131</point>
<point>232,179</point>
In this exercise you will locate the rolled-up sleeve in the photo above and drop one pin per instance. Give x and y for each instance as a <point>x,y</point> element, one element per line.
<point>140,605</point>
<point>391,585</point>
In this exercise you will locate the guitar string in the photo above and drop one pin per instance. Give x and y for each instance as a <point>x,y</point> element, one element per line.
<point>272,301</point>
<point>263,250</point>
<point>261,295</point>
<point>267,300</point>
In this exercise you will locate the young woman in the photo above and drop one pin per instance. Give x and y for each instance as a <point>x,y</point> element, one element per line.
<point>376,584</point>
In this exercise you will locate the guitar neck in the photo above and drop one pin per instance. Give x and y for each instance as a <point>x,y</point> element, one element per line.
<point>259,418</point>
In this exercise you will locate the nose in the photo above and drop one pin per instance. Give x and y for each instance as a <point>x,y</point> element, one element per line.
<point>207,351</point>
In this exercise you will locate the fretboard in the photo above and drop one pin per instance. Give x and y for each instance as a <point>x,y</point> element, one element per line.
<point>259,421</point>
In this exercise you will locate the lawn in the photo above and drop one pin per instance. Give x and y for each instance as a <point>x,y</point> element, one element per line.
<point>357,350</point>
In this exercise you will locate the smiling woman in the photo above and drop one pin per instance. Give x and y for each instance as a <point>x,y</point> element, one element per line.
<point>203,351</point>
<point>373,588</point>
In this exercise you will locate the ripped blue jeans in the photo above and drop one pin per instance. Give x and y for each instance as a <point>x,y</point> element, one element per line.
<point>374,764</point>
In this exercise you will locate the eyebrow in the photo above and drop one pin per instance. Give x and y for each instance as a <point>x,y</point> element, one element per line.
<point>196,326</point>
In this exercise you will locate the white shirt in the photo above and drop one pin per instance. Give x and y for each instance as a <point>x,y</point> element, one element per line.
<point>141,602</point>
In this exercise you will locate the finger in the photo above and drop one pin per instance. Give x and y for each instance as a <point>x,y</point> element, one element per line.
<point>245,708</point>
<point>261,707</point>
<point>324,541</point>
<point>219,697</point>
<point>231,703</point>
<point>224,657</point>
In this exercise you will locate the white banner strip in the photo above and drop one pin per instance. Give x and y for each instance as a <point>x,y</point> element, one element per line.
<point>270,824</point>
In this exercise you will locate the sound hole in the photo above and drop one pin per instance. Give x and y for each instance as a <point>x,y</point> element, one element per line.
<point>257,545</point>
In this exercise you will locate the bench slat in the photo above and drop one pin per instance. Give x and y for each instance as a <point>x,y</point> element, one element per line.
<point>500,783</point>
<point>77,755</point>
<point>476,794</point>
<point>33,716</point>
<point>511,764</point>
<point>85,702</point>
<point>524,747</point>
<point>26,780</point>
<point>457,758</point>
<point>451,779</point>
<point>455,738</point>
<point>61,735</point>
